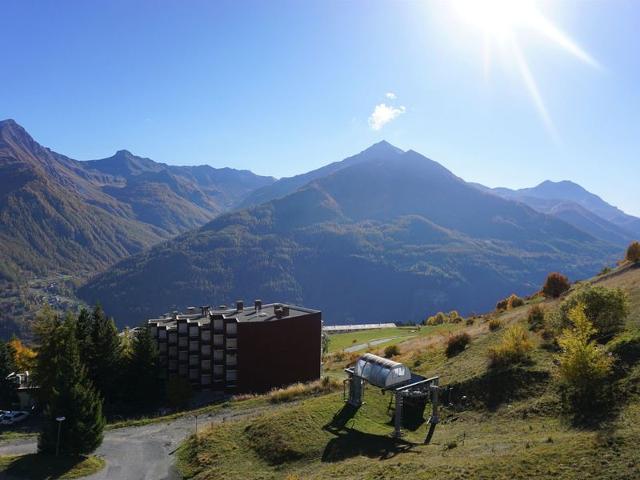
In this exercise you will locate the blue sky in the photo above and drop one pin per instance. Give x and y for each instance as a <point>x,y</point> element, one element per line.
<point>284,87</point>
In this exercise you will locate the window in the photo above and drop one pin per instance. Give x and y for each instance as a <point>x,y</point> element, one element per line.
<point>193,360</point>
<point>182,355</point>
<point>154,331</point>
<point>205,379</point>
<point>182,342</point>
<point>173,337</point>
<point>218,370</point>
<point>194,331</point>
<point>232,343</point>
<point>182,327</point>
<point>218,355</point>
<point>218,340</point>
<point>173,351</point>
<point>231,376</point>
<point>232,328</point>
<point>162,334</point>
<point>218,324</point>
<point>173,365</point>
<point>182,370</point>
<point>205,364</point>
<point>205,350</point>
<point>232,360</point>
<point>162,347</point>
<point>194,346</point>
<point>206,335</point>
<point>193,374</point>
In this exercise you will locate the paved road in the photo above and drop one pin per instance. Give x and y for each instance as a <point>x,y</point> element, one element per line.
<point>139,453</point>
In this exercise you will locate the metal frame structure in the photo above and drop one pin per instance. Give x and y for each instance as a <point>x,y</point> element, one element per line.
<point>416,386</point>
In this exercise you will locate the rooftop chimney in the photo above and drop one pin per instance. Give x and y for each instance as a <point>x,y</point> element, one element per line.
<point>239,305</point>
<point>258,305</point>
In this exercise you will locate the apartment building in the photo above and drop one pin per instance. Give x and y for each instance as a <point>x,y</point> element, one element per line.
<point>241,350</point>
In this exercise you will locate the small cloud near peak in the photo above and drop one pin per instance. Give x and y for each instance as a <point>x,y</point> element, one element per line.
<point>383,114</point>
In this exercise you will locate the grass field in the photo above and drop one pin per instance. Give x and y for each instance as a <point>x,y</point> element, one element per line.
<point>340,341</point>
<point>46,467</point>
<point>510,426</point>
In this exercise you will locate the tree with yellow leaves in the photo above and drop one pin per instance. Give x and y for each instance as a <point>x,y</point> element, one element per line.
<point>24,357</point>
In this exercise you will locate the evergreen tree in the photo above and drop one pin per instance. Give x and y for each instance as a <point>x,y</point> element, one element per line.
<point>8,393</point>
<point>143,382</point>
<point>104,356</point>
<point>46,327</point>
<point>83,334</point>
<point>71,395</point>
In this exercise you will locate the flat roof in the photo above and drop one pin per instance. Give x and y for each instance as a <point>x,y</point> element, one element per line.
<point>247,314</point>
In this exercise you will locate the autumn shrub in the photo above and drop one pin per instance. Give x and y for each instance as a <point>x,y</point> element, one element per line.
<point>391,351</point>
<point>555,285</point>
<point>605,308</point>
<point>514,348</point>
<point>469,321</point>
<point>583,367</point>
<point>633,252</point>
<point>454,317</point>
<point>456,344</point>
<point>502,305</point>
<point>298,390</point>
<point>494,324</point>
<point>535,318</point>
<point>514,301</point>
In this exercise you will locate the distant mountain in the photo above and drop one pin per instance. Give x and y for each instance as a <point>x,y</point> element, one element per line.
<point>391,237</point>
<point>285,186</point>
<point>59,215</point>
<point>579,207</point>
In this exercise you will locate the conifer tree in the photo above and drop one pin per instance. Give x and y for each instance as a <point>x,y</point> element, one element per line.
<point>143,382</point>
<point>104,357</point>
<point>8,393</point>
<point>71,395</point>
<point>83,334</point>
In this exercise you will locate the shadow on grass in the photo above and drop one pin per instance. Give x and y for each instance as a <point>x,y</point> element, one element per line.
<point>498,386</point>
<point>43,467</point>
<point>349,442</point>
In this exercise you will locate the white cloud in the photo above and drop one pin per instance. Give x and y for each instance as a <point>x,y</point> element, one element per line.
<point>383,114</point>
<point>391,95</point>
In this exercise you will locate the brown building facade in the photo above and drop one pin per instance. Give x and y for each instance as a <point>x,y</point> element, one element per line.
<point>241,350</point>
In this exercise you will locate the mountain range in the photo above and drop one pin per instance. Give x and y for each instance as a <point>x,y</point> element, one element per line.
<point>384,235</point>
<point>68,216</point>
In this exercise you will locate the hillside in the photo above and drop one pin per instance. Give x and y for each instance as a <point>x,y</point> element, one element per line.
<point>61,215</point>
<point>575,205</point>
<point>387,239</point>
<point>496,424</point>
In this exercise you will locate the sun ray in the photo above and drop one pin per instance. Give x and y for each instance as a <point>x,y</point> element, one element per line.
<point>532,88</point>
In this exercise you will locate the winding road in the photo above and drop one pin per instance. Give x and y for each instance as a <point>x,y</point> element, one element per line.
<point>144,452</point>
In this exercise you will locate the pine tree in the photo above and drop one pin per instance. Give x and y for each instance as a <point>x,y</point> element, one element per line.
<point>46,327</point>
<point>104,356</point>
<point>8,393</point>
<point>83,334</point>
<point>143,382</point>
<point>71,396</point>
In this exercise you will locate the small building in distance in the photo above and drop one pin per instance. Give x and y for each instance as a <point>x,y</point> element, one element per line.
<point>241,350</point>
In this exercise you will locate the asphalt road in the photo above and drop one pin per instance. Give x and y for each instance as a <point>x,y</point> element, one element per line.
<point>138,453</point>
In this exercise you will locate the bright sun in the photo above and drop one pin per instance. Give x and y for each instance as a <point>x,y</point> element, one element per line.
<point>499,21</point>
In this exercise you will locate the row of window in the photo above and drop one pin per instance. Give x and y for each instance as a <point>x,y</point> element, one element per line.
<point>195,330</point>
<point>230,376</point>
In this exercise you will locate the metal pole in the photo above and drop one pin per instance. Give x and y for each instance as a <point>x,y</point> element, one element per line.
<point>59,420</point>
<point>398,418</point>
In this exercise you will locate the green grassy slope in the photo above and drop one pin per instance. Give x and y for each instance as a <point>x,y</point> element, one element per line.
<point>510,426</point>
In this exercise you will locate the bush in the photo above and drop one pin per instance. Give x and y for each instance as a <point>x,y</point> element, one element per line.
<point>555,285</point>
<point>633,252</point>
<point>456,344</point>
<point>391,351</point>
<point>584,366</point>
<point>454,316</point>
<point>512,301</point>
<point>535,318</point>
<point>514,348</point>
<point>298,390</point>
<point>605,308</point>
<point>494,324</point>
<point>626,347</point>
<point>178,392</point>
<point>470,321</point>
